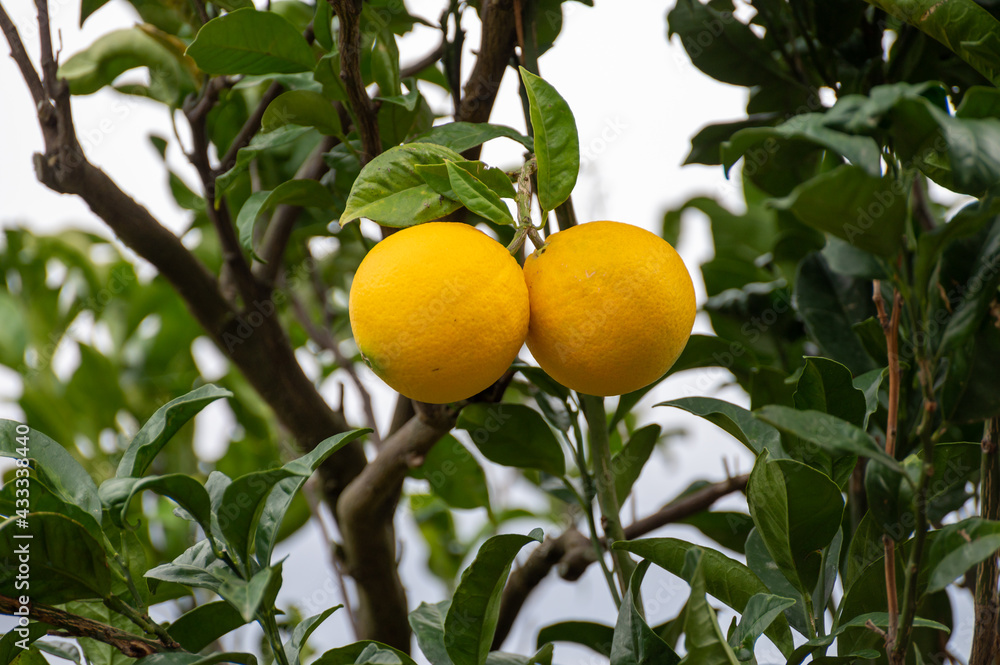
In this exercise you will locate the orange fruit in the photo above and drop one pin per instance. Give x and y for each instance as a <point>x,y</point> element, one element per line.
<point>439,311</point>
<point>612,307</point>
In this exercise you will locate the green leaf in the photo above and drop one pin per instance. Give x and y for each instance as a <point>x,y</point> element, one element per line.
<point>703,638</point>
<point>390,192</point>
<point>14,333</point>
<point>248,41</point>
<point>244,500</point>
<point>748,430</point>
<point>62,474</point>
<point>730,581</point>
<point>797,511</point>
<point>955,465</point>
<point>828,432</point>
<point>351,653</point>
<point>761,611</point>
<point>826,385</point>
<point>196,629</point>
<point>196,567</point>
<point>455,475</point>
<point>963,26</point>
<point>634,642</point>
<point>595,636</point>
<point>461,136</point>
<point>543,657</point>
<point>706,145</point>
<point>829,309</point>
<point>890,499</point>
<point>247,597</point>
<point>759,560</point>
<point>278,138</point>
<point>302,107</point>
<point>627,463</point>
<point>869,384</point>
<point>305,628</point>
<point>513,435</point>
<point>172,76</point>
<point>867,211</point>
<point>556,144</point>
<point>861,151</point>
<point>959,547</point>
<point>475,195</point>
<point>305,193</point>
<point>117,494</point>
<point>729,529</point>
<point>472,616</point>
<point>10,642</point>
<point>427,622</point>
<point>163,424</point>
<point>436,175</point>
<point>975,303</point>
<point>66,562</point>
<point>322,21</point>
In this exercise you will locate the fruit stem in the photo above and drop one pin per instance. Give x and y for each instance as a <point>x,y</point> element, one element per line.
<point>607,497</point>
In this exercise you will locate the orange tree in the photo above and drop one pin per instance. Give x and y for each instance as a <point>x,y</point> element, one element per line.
<point>859,315</point>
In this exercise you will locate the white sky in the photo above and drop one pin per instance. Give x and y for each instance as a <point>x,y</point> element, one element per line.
<point>637,101</point>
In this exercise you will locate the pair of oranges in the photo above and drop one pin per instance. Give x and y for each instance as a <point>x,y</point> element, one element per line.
<point>440,310</point>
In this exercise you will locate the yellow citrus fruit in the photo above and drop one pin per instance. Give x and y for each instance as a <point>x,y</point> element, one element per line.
<point>612,307</point>
<point>439,311</point>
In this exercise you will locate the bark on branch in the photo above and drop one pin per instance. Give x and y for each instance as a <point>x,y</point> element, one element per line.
<point>133,646</point>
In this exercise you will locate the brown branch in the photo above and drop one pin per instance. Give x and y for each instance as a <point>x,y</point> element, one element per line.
<point>495,51</point>
<point>573,552</point>
<point>349,13</point>
<point>986,639</point>
<point>48,60</point>
<point>20,56</point>
<point>890,328</point>
<point>72,625</point>
<point>365,516</point>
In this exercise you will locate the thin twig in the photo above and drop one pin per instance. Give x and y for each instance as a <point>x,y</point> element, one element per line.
<point>890,328</point>
<point>133,646</point>
<point>248,130</point>
<point>49,65</point>
<point>349,13</point>
<point>20,56</point>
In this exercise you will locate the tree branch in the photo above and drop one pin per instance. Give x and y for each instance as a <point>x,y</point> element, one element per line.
<point>365,516</point>
<point>20,56</point>
<point>986,639</point>
<point>572,552</point>
<point>133,646</point>
<point>279,230</point>
<point>248,130</point>
<point>495,51</point>
<point>349,13</point>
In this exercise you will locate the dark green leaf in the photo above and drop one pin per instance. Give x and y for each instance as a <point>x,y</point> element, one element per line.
<point>959,547</point>
<point>706,145</point>
<point>475,195</point>
<point>427,622</point>
<point>461,136</point>
<point>866,211</point>
<point>291,192</point>
<point>760,562</point>
<point>869,383</point>
<point>163,424</point>
<point>730,581</point>
<point>197,567</point>
<point>196,629</point>
<point>890,499</point>
<point>302,107</point>
<point>797,511</point>
<point>703,637</point>
<point>62,474</point>
<point>350,654</point>
<point>828,432</point>
<point>826,385</point>
<point>556,143</point>
<point>627,464</point>
<point>280,137</point>
<point>188,493</point>
<point>12,643</point>
<point>513,435</point>
<point>634,642</point>
<point>243,501</point>
<point>472,616</point>
<point>247,597</point>
<point>295,644</point>
<point>595,636</point>
<point>14,333</point>
<point>248,41</point>
<point>761,611</point>
<point>436,175</point>
<point>389,190</point>
<point>66,562</point>
<point>962,25</point>
<point>726,528</point>
<point>183,658</point>
<point>824,301</point>
<point>455,475</point>
<point>750,431</point>
<point>385,63</point>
